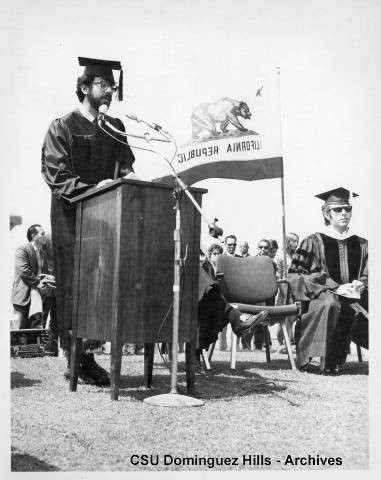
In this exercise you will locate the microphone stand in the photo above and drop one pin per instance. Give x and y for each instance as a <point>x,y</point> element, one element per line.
<point>174,398</point>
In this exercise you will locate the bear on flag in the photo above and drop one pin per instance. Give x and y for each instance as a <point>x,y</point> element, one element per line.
<point>234,138</point>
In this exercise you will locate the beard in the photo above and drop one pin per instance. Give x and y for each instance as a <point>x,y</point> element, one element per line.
<point>96,102</point>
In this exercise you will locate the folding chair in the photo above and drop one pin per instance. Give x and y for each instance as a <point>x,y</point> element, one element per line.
<point>247,283</point>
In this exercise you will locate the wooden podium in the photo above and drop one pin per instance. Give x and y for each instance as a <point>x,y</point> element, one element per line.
<point>124,271</point>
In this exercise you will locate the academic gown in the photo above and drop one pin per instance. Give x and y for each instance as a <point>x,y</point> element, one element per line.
<point>319,266</point>
<point>76,155</point>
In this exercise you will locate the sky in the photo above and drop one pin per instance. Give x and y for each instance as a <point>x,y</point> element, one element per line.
<point>177,54</point>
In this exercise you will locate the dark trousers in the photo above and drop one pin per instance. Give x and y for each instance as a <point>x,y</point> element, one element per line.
<point>258,333</point>
<point>327,329</point>
<point>214,313</point>
<point>35,321</point>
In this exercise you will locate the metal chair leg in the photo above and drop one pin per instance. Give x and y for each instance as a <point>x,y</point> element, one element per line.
<point>288,345</point>
<point>267,343</point>
<point>359,354</point>
<point>205,359</point>
<point>322,364</point>
<point>233,352</point>
<point>211,350</point>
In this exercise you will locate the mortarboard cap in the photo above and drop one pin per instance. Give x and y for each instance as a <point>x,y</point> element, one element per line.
<point>103,68</point>
<point>337,196</point>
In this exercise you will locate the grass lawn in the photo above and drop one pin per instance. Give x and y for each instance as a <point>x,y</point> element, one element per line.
<point>258,409</point>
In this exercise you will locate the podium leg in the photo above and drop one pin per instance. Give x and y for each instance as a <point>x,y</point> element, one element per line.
<point>116,363</point>
<point>190,364</point>
<point>149,349</point>
<point>75,355</point>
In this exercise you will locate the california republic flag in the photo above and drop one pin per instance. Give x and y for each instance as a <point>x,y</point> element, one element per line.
<point>234,137</point>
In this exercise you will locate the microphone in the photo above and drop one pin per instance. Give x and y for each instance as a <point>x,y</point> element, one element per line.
<point>102,111</point>
<point>214,230</point>
<point>152,125</point>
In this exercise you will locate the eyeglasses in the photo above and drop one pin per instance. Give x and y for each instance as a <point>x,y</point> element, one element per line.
<point>105,86</point>
<point>340,209</point>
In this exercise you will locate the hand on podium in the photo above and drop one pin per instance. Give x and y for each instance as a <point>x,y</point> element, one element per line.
<point>102,183</point>
<point>131,176</point>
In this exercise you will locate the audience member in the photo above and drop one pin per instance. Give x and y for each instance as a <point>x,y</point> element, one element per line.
<point>31,280</point>
<point>263,247</point>
<point>49,313</point>
<point>244,249</point>
<point>259,331</point>
<point>273,248</point>
<point>230,247</point>
<point>292,240</point>
<point>214,312</point>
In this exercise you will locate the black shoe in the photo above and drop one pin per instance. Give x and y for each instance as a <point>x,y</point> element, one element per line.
<point>82,375</point>
<point>92,373</point>
<point>128,349</point>
<point>333,371</point>
<point>240,326</point>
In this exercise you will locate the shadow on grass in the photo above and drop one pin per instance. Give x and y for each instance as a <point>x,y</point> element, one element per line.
<point>22,462</point>
<point>18,380</point>
<point>220,383</point>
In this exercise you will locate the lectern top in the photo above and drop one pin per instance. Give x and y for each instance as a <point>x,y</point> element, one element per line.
<point>92,192</point>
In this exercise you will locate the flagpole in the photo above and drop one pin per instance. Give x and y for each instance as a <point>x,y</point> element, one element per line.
<point>284,230</point>
<point>282,183</point>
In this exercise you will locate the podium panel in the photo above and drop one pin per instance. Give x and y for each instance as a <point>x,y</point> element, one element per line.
<point>124,265</point>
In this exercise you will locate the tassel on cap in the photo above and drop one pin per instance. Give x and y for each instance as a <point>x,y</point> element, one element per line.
<point>120,91</point>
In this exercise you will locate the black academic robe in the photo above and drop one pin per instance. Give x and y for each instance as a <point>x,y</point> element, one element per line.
<point>318,267</point>
<point>76,155</point>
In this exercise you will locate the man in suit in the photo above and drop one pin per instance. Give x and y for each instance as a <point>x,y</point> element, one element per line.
<point>31,280</point>
<point>231,245</point>
<point>244,249</point>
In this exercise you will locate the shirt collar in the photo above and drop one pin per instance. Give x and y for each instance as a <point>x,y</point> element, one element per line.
<point>86,114</point>
<point>331,232</point>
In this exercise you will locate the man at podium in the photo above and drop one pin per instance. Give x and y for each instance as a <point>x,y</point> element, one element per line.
<point>76,156</point>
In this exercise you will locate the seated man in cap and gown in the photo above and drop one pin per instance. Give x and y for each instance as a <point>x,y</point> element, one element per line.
<point>76,156</point>
<point>330,270</point>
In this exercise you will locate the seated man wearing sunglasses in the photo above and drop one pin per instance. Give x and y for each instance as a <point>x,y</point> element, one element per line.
<point>330,270</point>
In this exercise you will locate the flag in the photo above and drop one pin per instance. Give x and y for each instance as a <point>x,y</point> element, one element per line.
<point>234,138</point>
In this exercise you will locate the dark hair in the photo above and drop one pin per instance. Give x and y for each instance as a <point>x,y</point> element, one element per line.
<point>273,244</point>
<point>214,246</point>
<point>230,236</point>
<point>32,230</point>
<point>265,240</point>
<point>83,80</point>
